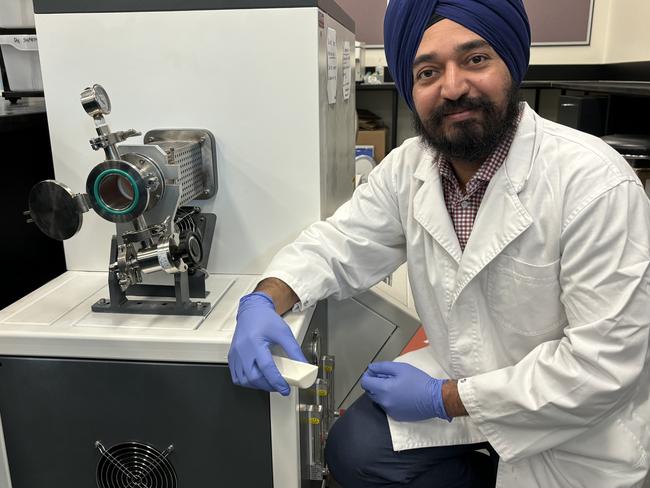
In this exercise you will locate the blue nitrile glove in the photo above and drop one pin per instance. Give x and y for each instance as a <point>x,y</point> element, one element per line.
<point>405,392</point>
<point>258,327</point>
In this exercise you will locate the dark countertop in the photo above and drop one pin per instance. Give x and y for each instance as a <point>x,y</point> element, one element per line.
<point>631,88</point>
<point>23,114</point>
<point>375,86</point>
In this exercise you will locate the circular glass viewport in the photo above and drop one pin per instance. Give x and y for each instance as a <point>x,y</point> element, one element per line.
<point>116,191</point>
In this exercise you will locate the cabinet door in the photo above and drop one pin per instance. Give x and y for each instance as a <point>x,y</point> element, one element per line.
<point>356,334</point>
<point>361,330</point>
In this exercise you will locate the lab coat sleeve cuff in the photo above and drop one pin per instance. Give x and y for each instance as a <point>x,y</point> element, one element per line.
<point>305,299</point>
<point>468,396</point>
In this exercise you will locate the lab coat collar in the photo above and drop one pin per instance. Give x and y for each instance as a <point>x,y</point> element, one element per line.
<point>429,208</point>
<point>525,146</point>
<point>501,217</point>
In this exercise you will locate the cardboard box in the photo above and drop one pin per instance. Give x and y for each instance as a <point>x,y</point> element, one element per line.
<point>376,138</point>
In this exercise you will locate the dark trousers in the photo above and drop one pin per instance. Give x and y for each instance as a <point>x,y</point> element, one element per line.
<point>359,453</point>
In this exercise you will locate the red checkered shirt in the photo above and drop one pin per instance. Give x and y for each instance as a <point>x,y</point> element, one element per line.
<point>463,205</point>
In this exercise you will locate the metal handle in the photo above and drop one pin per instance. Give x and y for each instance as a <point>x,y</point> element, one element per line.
<point>636,156</point>
<point>568,105</point>
<point>315,348</point>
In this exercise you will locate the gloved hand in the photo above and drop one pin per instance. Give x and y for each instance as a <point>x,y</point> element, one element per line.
<point>258,327</point>
<point>405,392</point>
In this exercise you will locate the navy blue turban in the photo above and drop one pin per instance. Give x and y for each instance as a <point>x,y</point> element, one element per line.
<point>502,23</point>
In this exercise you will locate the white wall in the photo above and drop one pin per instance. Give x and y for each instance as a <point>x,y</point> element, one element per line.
<point>375,56</point>
<point>594,53</point>
<point>629,31</point>
<point>620,33</point>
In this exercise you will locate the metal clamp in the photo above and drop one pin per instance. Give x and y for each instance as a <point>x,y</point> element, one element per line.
<point>126,267</point>
<point>106,140</point>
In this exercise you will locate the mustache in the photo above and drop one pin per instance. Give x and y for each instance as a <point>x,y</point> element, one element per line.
<point>460,105</point>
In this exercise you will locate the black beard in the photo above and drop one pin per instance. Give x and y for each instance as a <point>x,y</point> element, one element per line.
<point>470,140</point>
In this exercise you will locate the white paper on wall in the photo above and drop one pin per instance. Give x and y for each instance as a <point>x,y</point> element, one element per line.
<point>332,66</point>
<point>347,70</point>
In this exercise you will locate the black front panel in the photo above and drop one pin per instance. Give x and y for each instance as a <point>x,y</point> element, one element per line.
<point>84,6</point>
<point>53,411</point>
<point>585,113</point>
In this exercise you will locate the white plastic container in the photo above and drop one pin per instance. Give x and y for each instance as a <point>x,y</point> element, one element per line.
<point>20,54</point>
<point>16,14</point>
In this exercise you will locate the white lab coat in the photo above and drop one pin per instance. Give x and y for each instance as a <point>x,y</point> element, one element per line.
<point>544,318</point>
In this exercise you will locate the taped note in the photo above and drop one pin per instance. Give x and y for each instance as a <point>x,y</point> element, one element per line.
<point>347,70</point>
<point>332,66</point>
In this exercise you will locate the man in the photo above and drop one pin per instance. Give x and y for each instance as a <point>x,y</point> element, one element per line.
<point>528,250</point>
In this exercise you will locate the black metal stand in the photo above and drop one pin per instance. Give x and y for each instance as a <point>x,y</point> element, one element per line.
<point>186,285</point>
<point>196,282</point>
<point>14,95</point>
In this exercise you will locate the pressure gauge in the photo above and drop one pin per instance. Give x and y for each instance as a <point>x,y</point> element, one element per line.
<point>95,101</point>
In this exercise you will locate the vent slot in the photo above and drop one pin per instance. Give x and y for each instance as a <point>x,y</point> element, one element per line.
<point>190,163</point>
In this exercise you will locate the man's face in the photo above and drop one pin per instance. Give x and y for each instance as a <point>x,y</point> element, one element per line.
<point>463,92</point>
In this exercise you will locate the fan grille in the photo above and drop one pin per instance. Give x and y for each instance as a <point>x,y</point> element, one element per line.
<point>135,465</point>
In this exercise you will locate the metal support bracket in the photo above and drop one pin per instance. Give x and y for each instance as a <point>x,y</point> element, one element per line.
<point>120,303</point>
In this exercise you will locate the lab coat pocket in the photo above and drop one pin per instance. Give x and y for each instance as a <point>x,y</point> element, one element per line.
<point>525,297</point>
